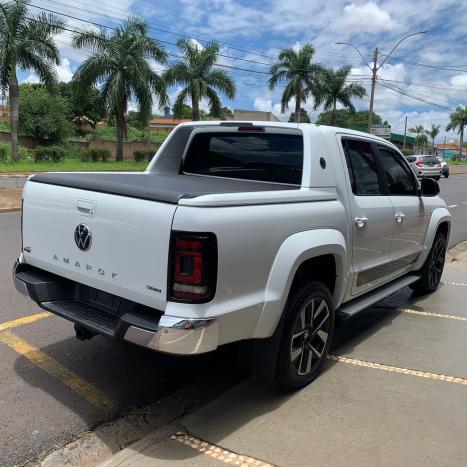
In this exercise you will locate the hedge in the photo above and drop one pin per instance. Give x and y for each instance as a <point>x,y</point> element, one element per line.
<point>96,154</point>
<point>49,154</point>
<point>141,155</point>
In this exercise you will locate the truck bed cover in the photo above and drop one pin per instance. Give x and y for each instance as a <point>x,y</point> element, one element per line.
<point>167,188</point>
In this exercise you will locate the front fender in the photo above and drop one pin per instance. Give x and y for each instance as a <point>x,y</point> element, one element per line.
<point>293,252</point>
<point>438,216</point>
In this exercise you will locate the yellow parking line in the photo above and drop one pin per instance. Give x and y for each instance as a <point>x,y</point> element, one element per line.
<point>435,315</point>
<point>217,452</point>
<point>24,320</point>
<point>396,369</point>
<point>93,395</point>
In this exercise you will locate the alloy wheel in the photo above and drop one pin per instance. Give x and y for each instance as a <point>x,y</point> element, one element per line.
<point>310,335</point>
<point>437,262</point>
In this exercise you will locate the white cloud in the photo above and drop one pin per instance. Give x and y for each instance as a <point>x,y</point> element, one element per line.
<point>365,18</point>
<point>64,71</point>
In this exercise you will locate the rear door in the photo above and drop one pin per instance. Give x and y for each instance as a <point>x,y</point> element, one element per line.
<point>410,216</point>
<point>372,215</point>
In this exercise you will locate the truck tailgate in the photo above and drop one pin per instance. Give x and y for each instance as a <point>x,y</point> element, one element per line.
<point>128,251</point>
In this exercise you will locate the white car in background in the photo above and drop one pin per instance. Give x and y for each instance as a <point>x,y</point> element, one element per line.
<point>444,166</point>
<point>425,166</point>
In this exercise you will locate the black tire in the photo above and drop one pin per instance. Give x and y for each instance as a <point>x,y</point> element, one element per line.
<point>432,270</point>
<point>446,174</point>
<point>303,348</point>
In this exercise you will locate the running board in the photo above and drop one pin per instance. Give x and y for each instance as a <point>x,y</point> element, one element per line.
<point>349,309</point>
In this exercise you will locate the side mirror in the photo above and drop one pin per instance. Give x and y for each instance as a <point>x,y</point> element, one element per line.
<point>429,187</point>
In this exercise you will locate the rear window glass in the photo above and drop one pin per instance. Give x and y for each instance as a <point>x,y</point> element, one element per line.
<point>430,160</point>
<point>411,158</point>
<point>269,157</point>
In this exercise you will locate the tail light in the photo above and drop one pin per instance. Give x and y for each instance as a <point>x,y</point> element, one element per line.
<point>193,267</point>
<point>419,163</point>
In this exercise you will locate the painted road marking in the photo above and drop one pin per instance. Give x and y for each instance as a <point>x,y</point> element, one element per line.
<point>435,315</point>
<point>396,369</point>
<point>453,206</point>
<point>218,452</point>
<point>93,395</point>
<point>454,283</point>
<point>22,321</point>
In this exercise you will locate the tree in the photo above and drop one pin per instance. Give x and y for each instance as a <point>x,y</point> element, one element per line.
<point>304,117</point>
<point>196,72</point>
<point>183,112</point>
<point>334,89</point>
<point>433,133</point>
<point>418,130</point>
<point>301,75</point>
<point>43,115</point>
<point>83,102</point>
<point>120,64</point>
<point>26,43</point>
<point>458,121</point>
<point>347,119</point>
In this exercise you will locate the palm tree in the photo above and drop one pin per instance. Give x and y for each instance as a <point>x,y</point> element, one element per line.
<point>301,75</point>
<point>334,89</point>
<point>196,72</point>
<point>418,130</point>
<point>26,43</point>
<point>458,122</point>
<point>121,66</point>
<point>433,133</point>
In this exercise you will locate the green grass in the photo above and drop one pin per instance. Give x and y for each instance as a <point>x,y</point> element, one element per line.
<point>457,162</point>
<point>133,134</point>
<point>69,165</point>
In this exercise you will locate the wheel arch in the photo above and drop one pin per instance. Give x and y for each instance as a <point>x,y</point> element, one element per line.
<point>319,254</point>
<point>440,221</point>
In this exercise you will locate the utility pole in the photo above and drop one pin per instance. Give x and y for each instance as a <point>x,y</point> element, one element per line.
<point>374,70</point>
<point>405,132</point>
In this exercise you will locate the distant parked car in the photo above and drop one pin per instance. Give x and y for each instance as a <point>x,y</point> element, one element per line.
<point>444,166</point>
<point>425,166</point>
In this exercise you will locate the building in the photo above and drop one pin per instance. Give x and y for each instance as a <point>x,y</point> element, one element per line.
<point>166,124</point>
<point>254,115</point>
<point>398,140</point>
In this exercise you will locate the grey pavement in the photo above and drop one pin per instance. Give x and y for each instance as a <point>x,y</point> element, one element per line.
<point>12,182</point>
<point>351,414</point>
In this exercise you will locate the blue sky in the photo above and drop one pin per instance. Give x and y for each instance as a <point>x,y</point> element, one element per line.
<point>252,33</point>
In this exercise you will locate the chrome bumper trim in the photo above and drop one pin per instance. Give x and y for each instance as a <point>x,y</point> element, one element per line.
<point>178,336</point>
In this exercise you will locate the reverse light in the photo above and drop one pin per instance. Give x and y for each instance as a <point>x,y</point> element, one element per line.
<point>193,267</point>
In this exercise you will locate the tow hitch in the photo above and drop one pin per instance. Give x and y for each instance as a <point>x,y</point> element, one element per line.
<point>82,333</point>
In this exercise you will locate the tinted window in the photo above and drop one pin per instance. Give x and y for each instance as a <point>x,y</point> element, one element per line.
<point>429,160</point>
<point>399,177</point>
<point>411,159</point>
<point>361,163</point>
<point>260,156</point>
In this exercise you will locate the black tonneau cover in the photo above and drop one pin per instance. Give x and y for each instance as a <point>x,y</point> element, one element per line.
<point>168,188</point>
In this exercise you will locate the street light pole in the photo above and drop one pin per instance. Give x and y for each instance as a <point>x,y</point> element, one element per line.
<point>375,68</point>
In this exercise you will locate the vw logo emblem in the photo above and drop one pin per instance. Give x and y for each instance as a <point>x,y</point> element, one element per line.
<point>83,237</point>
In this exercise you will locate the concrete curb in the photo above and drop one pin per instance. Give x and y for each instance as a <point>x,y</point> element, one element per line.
<point>15,209</point>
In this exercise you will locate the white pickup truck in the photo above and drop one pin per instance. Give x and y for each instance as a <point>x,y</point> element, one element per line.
<point>253,232</point>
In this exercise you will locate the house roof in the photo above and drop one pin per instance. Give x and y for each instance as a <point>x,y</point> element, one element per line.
<point>449,146</point>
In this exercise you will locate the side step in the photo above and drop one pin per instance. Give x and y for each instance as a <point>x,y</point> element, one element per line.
<point>349,309</point>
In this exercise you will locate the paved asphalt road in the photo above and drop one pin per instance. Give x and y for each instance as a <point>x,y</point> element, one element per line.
<point>50,395</point>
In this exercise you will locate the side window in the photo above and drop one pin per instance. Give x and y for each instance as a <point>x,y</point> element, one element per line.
<point>361,163</point>
<point>398,175</point>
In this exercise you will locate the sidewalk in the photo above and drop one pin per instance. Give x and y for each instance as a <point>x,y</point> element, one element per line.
<point>10,199</point>
<point>394,393</point>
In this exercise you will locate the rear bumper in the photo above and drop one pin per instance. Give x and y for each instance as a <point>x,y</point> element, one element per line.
<point>429,172</point>
<point>113,316</point>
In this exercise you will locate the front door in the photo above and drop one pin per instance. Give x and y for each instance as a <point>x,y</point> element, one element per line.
<point>372,215</point>
<point>409,210</point>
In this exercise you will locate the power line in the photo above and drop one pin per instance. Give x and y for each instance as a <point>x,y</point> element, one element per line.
<point>437,67</point>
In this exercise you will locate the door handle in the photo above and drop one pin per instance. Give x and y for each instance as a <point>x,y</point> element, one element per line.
<point>360,222</point>
<point>400,216</point>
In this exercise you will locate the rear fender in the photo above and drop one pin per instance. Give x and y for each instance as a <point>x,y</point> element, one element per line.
<point>293,252</point>
<point>438,216</point>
